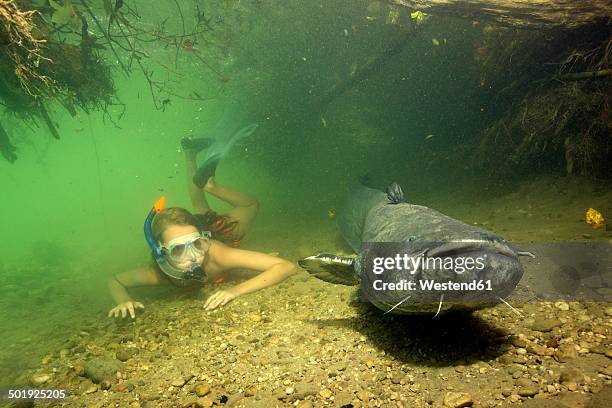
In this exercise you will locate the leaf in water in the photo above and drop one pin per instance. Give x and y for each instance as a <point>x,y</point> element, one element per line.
<point>65,14</point>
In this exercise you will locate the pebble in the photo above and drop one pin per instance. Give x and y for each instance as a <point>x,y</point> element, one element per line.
<point>39,379</point>
<point>528,391</point>
<point>571,375</point>
<point>523,382</point>
<point>363,396</point>
<point>325,393</point>
<point>344,399</point>
<point>545,325</point>
<point>537,349</point>
<point>205,403</point>
<point>458,400</point>
<point>565,353</point>
<point>562,306</point>
<point>202,389</point>
<point>606,370</point>
<point>101,369</point>
<point>93,388</point>
<point>122,355</point>
<point>178,382</point>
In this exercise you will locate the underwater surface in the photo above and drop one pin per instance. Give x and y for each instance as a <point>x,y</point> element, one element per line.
<point>302,100</point>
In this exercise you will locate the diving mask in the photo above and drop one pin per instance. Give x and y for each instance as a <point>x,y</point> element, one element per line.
<point>188,246</point>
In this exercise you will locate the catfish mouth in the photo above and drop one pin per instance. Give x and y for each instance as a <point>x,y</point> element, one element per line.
<point>467,246</point>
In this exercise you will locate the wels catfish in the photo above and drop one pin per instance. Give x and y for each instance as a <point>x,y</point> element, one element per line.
<point>412,259</point>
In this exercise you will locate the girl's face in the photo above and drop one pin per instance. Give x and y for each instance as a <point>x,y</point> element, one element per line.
<point>183,234</point>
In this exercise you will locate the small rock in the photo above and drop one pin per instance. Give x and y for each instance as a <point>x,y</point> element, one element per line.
<point>528,391</point>
<point>122,355</point>
<point>99,370</point>
<point>545,325</point>
<point>458,400</point>
<point>523,382</point>
<point>552,343</point>
<point>363,396</point>
<point>179,382</point>
<point>93,388</point>
<point>606,370</point>
<point>304,404</point>
<point>537,349</point>
<point>571,375</point>
<point>250,391</point>
<point>325,393</point>
<point>202,389</point>
<point>39,379</point>
<point>565,353</point>
<point>121,388</point>
<point>562,306</point>
<point>189,402</point>
<point>205,402</point>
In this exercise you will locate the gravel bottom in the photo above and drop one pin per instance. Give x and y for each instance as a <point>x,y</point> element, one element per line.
<point>302,343</point>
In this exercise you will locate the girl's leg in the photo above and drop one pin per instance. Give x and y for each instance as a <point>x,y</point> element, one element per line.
<point>245,206</point>
<point>198,198</point>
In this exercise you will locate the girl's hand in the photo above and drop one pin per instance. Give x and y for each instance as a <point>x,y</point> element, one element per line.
<point>219,298</point>
<point>125,307</point>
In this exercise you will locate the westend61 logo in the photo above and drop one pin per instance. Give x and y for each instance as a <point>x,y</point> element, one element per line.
<point>413,264</point>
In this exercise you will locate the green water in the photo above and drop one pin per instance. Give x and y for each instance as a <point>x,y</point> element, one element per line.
<point>72,210</point>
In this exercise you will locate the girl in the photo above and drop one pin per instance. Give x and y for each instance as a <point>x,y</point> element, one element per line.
<point>191,250</point>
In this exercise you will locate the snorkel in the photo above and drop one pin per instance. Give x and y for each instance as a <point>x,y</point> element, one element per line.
<point>195,274</point>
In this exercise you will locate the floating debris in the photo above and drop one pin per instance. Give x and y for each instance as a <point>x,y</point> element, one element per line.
<point>595,219</point>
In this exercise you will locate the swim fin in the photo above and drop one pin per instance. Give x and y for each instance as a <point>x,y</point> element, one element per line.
<point>197,144</point>
<point>206,170</point>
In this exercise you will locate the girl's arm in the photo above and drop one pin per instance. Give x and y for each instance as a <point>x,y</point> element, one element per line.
<point>118,289</point>
<point>273,270</point>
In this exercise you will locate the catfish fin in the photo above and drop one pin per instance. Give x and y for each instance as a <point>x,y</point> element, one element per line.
<point>331,268</point>
<point>395,195</point>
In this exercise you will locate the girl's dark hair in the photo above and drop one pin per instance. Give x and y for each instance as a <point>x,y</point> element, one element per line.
<point>222,227</point>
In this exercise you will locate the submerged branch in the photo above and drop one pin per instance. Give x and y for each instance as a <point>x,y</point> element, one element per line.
<point>526,13</point>
<point>587,75</point>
